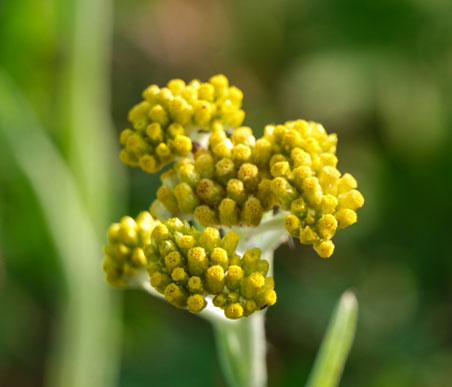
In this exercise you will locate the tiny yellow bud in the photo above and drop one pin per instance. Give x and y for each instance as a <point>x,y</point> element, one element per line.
<point>325,249</point>
<point>186,198</point>
<point>155,133</point>
<point>160,233</point>
<point>266,298</point>
<point>159,114</point>
<point>228,212</point>
<point>149,164</point>
<point>224,170</point>
<point>113,233</point>
<point>176,86</point>
<point>204,163</point>
<point>176,296</point>
<point>179,275</point>
<point>235,95</point>
<point>206,216</point>
<point>166,196</point>
<point>252,284</point>
<point>307,235</point>
<point>346,183</point>
<point>252,212</point>
<point>182,145</point>
<point>209,239</point>
<point>197,261</point>
<point>234,311</point>
<point>250,260</point>
<point>230,242</point>
<point>125,134</point>
<point>215,279</point>
<point>250,307</point>
<point>234,277</point>
<point>249,175</point>
<point>265,195</point>
<point>186,242</point>
<point>300,158</point>
<point>327,226</point>
<point>292,225</point>
<point>328,204</point>
<point>138,257</point>
<point>202,112</point>
<point>243,135</point>
<point>160,281</point>
<point>312,190</point>
<point>173,260</point>
<point>298,207</point>
<point>210,192</point>
<point>219,256</point>
<point>346,217</point>
<point>163,152</point>
<point>352,200</point>
<point>196,303</point>
<point>221,84</point>
<point>241,154</point>
<point>195,285</point>
<point>283,191</point>
<point>206,91</point>
<point>150,93</point>
<point>236,191</point>
<point>176,129</point>
<point>220,300</point>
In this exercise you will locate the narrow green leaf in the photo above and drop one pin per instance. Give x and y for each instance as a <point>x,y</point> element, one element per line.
<point>85,355</point>
<point>336,345</point>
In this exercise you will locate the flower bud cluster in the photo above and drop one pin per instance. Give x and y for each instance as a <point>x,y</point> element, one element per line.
<point>164,122</point>
<point>307,183</point>
<point>237,179</point>
<point>187,266</point>
<point>124,255</point>
<point>223,185</point>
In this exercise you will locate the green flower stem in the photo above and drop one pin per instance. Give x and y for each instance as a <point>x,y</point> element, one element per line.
<point>241,349</point>
<point>336,345</point>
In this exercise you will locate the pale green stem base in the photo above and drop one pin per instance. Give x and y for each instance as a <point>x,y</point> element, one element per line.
<point>241,347</point>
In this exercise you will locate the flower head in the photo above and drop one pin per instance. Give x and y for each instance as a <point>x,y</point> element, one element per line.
<point>168,119</point>
<point>307,183</point>
<point>236,180</point>
<point>124,254</point>
<point>188,267</point>
<point>223,177</point>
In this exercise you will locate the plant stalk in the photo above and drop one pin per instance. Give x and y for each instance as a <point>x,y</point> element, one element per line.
<point>241,347</point>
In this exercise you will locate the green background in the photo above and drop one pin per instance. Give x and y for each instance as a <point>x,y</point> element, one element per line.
<point>378,73</point>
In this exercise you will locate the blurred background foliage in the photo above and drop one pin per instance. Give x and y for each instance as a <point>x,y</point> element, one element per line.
<point>377,73</point>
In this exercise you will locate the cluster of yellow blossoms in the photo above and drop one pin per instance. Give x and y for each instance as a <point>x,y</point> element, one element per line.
<point>238,178</point>
<point>124,255</point>
<point>187,265</point>
<point>232,180</point>
<point>168,118</point>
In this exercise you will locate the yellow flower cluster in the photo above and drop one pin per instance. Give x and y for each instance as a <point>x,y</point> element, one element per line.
<point>237,179</point>
<point>167,119</point>
<point>231,181</point>
<point>307,183</point>
<point>187,265</point>
<point>124,255</point>
<point>222,185</point>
